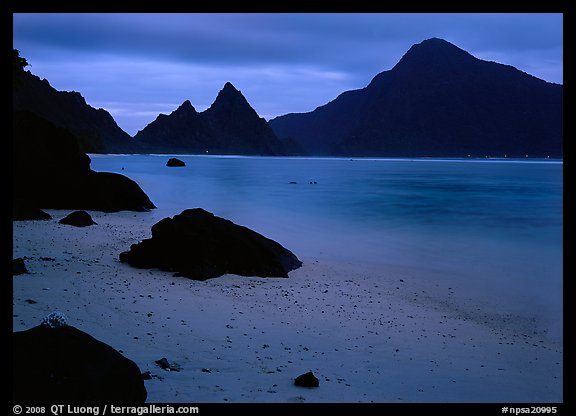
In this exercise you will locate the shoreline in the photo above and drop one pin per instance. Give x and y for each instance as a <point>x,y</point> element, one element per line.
<point>553,160</point>
<point>369,335</point>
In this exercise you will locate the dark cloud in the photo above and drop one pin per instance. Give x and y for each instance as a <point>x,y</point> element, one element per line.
<point>282,62</point>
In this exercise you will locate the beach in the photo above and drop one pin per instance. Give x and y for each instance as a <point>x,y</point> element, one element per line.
<point>369,334</point>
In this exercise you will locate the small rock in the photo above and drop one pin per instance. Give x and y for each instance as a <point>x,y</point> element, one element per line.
<point>174,162</point>
<point>147,375</point>
<point>18,267</point>
<point>307,380</point>
<point>165,365</point>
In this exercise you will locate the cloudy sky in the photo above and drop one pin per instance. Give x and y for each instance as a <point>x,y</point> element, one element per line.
<point>139,65</point>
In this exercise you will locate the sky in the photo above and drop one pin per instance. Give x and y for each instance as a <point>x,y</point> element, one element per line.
<point>139,65</point>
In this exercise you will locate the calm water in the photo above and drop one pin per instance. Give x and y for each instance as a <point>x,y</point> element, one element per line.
<point>494,226</point>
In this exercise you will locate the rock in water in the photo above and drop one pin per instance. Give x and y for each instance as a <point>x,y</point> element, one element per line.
<point>307,380</point>
<point>78,219</point>
<point>174,162</point>
<point>65,365</point>
<point>199,245</point>
<point>18,267</point>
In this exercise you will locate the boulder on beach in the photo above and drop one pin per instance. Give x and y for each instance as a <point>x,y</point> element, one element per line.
<point>48,171</point>
<point>199,245</point>
<point>78,219</point>
<point>174,162</point>
<point>24,212</point>
<point>307,380</point>
<point>62,364</point>
<point>18,267</point>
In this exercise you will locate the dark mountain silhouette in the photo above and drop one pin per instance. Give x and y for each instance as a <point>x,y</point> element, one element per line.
<point>96,130</point>
<point>438,100</point>
<point>229,126</point>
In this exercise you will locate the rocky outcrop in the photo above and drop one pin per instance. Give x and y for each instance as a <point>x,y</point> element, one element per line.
<point>49,171</point>
<point>199,245</point>
<point>62,364</point>
<point>438,101</point>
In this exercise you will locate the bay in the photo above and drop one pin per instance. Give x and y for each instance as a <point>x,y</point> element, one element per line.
<point>493,228</point>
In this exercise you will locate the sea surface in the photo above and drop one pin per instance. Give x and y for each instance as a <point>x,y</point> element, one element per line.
<point>492,227</point>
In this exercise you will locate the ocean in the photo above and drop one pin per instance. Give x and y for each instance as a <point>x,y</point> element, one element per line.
<point>491,227</point>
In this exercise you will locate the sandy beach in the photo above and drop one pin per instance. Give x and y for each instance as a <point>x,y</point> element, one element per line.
<point>376,335</point>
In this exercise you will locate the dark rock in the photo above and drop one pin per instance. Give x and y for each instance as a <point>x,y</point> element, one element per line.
<point>147,375</point>
<point>307,380</point>
<point>23,212</point>
<point>78,219</point>
<point>198,245</point>
<point>18,267</point>
<point>437,101</point>
<point>112,192</point>
<point>164,364</point>
<point>30,301</point>
<point>50,172</point>
<point>66,365</point>
<point>174,162</point>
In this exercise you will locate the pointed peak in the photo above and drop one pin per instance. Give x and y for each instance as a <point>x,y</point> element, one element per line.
<point>436,41</point>
<point>229,87</point>
<point>186,106</point>
<point>229,94</point>
<point>229,90</point>
<point>229,98</point>
<point>433,50</point>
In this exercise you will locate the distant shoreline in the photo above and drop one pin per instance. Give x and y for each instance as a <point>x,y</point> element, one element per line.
<point>349,158</point>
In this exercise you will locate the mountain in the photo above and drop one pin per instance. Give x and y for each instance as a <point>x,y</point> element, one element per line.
<point>229,126</point>
<point>96,130</point>
<point>439,101</point>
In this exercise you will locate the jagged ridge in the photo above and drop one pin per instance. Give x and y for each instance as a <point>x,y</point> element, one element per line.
<point>229,126</point>
<point>96,130</point>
